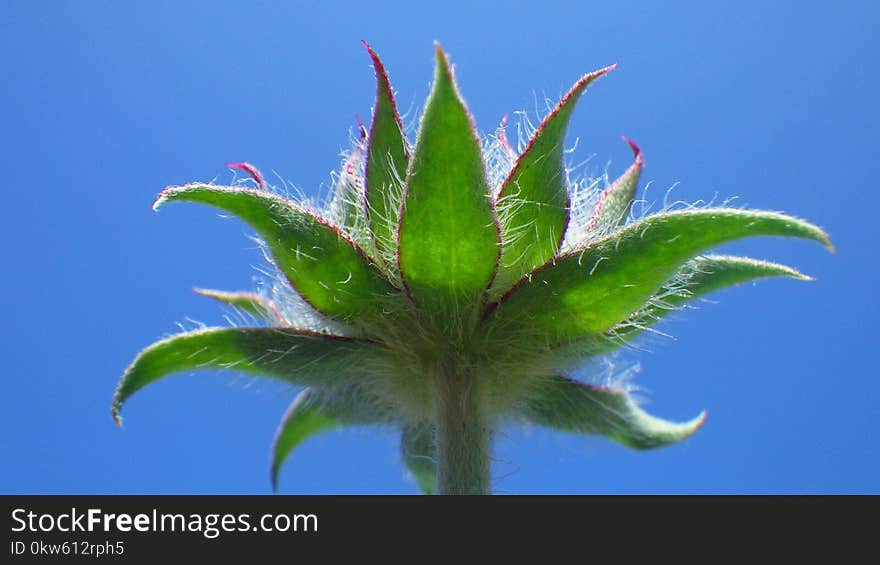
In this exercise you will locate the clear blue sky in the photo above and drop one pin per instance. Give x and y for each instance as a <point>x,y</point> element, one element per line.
<point>103,104</point>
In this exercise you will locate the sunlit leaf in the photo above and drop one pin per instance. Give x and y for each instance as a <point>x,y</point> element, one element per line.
<point>704,275</point>
<point>588,291</point>
<point>699,277</point>
<point>387,160</point>
<point>321,263</point>
<point>294,356</point>
<point>348,207</point>
<point>614,204</point>
<point>448,235</point>
<point>533,202</point>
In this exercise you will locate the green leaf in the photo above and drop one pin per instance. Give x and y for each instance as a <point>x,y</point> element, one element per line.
<point>294,356</point>
<point>387,160</point>
<point>417,449</point>
<point>533,203</point>
<point>303,419</point>
<point>347,208</point>
<point>588,291</point>
<point>568,405</point>
<point>614,204</point>
<point>710,273</point>
<point>249,302</point>
<point>699,277</point>
<point>448,235</point>
<point>322,264</point>
<point>324,408</point>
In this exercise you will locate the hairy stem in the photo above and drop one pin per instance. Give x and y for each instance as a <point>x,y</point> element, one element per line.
<point>463,436</point>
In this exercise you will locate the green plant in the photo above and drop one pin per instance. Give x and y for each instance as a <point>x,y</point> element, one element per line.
<point>444,299</point>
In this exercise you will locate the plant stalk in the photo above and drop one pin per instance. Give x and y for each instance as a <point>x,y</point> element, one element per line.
<point>463,436</point>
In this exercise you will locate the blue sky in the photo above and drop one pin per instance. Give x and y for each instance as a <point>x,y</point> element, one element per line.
<point>106,103</point>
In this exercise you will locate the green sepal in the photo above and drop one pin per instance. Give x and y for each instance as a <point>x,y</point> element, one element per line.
<point>294,356</point>
<point>321,262</point>
<point>699,277</point>
<point>347,208</point>
<point>614,204</point>
<point>323,408</point>
<point>303,419</point>
<point>249,302</point>
<point>533,202</point>
<point>569,405</point>
<point>418,451</point>
<point>704,275</point>
<point>589,290</point>
<point>448,234</point>
<point>387,161</point>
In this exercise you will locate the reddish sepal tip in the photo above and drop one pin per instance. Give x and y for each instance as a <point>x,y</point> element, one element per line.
<point>502,134</point>
<point>377,63</point>
<point>251,171</point>
<point>637,151</point>
<point>632,145</point>
<point>362,129</point>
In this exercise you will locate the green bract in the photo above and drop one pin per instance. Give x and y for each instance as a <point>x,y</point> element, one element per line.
<point>444,289</point>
